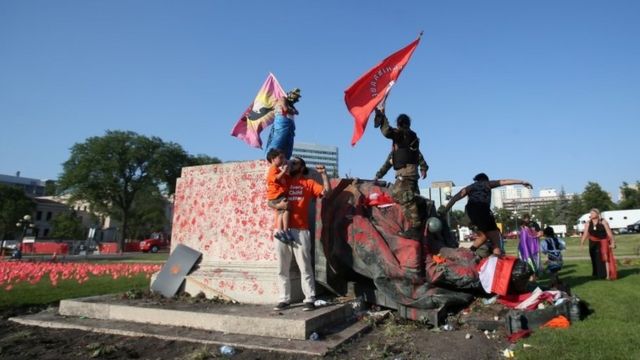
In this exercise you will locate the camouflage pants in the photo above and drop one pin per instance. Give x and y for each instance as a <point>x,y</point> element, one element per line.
<point>405,192</point>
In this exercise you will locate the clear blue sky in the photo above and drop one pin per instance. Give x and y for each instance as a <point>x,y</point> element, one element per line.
<point>547,91</point>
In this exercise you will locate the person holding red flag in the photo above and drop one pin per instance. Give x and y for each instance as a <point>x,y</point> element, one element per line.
<point>405,159</point>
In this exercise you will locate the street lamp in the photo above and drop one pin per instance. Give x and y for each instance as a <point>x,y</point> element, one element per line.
<point>26,224</point>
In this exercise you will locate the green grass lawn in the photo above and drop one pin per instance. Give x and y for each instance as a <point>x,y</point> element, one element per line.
<point>138,257</point>
<point>609,332</point>
<point>24,294</point>
<point>626,245</point>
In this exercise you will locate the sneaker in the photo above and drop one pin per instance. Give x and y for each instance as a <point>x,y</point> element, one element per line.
<point>289,236</point>
<point>281,235</point>
<point>282,305</point>
<point>308,306</point>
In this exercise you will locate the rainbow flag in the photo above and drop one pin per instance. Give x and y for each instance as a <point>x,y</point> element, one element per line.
<point>259,114</point>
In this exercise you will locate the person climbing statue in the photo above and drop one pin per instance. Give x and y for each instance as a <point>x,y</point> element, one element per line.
<point>406,160</point>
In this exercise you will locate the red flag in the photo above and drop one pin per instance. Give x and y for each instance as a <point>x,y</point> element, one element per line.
<point>371,88</point>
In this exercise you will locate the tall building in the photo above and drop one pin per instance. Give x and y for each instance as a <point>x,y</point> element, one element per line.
<point>509,194</point>
<point>31,187</point>
<point>314,154</point>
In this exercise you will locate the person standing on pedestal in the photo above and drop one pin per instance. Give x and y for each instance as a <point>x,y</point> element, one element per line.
<point>301,191</point>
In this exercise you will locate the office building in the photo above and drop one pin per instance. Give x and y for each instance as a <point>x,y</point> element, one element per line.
<point>314,154</point>
<point>31,187</point>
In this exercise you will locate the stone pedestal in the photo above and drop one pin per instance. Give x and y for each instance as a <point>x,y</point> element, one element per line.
<point>221,211</point>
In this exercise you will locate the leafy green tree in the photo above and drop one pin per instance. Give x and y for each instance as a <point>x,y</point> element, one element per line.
<point>630,196</point>
<point>576,208</point>
<point>505,217</point>
<point>110,171</point>
<point>561,211</point>
<point>67,225</point>
<point>148,214</point>
<point>594,197</point>
<point>545,215</point>
<point>14,204</point>
<point>202,159</point>
<point>50,188</point>
<point>458,217</point>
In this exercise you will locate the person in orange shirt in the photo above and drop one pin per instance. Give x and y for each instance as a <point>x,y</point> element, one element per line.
<point>277,193</point>
<point>301,191</point>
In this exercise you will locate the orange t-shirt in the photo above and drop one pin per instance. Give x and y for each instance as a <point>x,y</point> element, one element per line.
<point>299,195</point>
<point>275,187</point>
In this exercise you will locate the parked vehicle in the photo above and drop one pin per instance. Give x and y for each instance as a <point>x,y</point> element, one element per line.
<point>634,228</point>
<point>155,243</point>
<point>511,235</point>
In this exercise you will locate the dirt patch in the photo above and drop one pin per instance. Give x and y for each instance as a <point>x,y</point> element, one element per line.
<point>393,338</point>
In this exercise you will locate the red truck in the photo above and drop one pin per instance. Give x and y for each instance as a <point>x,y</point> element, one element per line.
<point>156,242</point>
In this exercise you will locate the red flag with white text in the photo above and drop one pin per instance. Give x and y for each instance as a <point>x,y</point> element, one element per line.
<point>372,87</point>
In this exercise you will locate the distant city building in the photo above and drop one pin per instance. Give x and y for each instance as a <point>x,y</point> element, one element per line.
<point>509,193</point>
<point>314,154</point>
<point>527,205</point>
<point>31,187</point>
<point>548,193</point>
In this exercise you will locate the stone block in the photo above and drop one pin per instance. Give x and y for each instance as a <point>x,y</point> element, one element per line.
<point>221,211</point>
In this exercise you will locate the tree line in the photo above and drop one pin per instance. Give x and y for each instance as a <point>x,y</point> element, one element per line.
<point>122,174</point>
<point>128,177</point>
<point>567,209</point>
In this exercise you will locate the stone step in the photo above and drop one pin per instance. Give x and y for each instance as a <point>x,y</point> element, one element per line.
<point>328,340</point>
<point>246,319</point>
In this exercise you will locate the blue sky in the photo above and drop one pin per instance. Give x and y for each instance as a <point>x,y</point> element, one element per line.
<point>546,91</point>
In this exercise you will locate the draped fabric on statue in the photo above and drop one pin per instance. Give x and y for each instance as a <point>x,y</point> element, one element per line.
<point>529,248</point>
<point>281,135</point>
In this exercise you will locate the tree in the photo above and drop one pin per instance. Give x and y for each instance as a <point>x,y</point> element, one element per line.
<point>49,188</point>
<point>67,225</point>
<point>14,204</point>
<point>111,171</point>
<point>458,217</point>
<point>545,214</point>
<point>202,159</point>
<point>630,196</point>
<point>561,210</point>
<point>148,214</point>
<point>594,197</point>
<point>505,217</point>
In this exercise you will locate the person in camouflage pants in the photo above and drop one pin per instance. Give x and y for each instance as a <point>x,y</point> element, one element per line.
<point>407,160</point>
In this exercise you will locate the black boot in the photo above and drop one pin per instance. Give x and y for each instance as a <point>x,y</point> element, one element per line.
<point>413,233</point>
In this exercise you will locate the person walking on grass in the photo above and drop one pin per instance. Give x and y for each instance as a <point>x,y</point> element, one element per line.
<point>601,245</point>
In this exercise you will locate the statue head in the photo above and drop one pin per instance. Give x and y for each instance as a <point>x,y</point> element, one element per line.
<point>293,96</point>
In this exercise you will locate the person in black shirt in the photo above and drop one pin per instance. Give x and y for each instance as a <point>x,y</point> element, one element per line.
<point>478,210</point>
